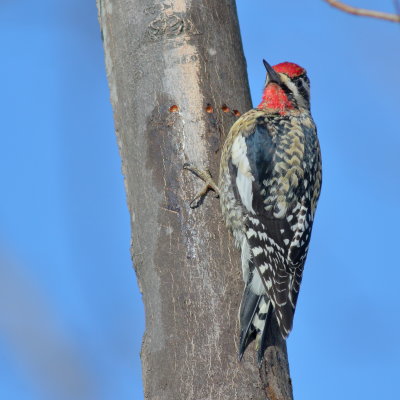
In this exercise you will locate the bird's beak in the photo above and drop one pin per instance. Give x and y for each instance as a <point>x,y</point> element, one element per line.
<point>272,75</point>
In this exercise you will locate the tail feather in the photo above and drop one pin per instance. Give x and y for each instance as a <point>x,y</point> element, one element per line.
<point>248,308</point>
<point>255,314</point>
<point>264,315</point>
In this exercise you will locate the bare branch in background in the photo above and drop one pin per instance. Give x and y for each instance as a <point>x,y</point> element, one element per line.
<point>364,12</point>
<point>396,4</point>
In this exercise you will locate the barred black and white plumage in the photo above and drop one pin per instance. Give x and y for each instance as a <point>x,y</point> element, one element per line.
<point>270,180</point>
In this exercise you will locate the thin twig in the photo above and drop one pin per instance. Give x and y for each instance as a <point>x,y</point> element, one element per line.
<point>397,7</point>
<point>364,12</point>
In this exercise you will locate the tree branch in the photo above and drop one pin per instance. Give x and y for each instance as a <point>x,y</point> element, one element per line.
<point>397,6</point>
<point>363,11</point>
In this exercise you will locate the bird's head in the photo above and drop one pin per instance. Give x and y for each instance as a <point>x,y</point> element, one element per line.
<point>287,87</point>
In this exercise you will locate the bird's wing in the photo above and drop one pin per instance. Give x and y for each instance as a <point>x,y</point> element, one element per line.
<point>274,236</point>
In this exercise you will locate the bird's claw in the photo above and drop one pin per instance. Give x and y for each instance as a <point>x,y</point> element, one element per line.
<point>205,176</point>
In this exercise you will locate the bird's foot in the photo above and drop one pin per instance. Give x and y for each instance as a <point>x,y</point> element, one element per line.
<point>205,176</point>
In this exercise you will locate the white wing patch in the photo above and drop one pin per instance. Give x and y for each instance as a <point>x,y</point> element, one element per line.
<point>246,256</point>
<point>244,178</point>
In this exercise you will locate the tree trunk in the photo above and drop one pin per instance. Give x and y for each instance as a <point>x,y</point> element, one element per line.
<point>174,68</point>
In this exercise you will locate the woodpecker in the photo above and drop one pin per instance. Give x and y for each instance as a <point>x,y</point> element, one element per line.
<point>269,184</point>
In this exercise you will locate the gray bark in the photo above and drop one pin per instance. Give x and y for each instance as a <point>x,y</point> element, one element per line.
<point>187,54</point>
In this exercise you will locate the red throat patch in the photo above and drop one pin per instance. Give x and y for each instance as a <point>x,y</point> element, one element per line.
<point>274,97</point>
<point>290,69</point>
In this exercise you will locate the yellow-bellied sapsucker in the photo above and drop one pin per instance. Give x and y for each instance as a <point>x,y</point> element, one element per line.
<point>269,184</point>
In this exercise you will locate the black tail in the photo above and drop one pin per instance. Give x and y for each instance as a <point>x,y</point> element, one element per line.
<point>255,314</point>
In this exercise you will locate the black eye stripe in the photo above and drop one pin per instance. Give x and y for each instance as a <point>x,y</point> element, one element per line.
<point>305,95</point>
<point>297,89</point>
<point>302,87</point>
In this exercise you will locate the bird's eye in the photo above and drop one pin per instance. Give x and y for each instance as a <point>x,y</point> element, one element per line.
<point>299,84</point>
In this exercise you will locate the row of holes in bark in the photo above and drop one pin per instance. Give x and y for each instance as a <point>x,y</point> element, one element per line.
<point>209,109</point>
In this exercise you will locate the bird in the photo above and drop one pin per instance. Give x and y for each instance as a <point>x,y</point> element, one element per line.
<point>269,184</point>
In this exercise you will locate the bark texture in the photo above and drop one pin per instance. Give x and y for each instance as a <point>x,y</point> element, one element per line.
<point>174,67</point>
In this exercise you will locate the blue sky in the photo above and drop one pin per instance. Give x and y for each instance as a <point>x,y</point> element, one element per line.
<point>71,317</point>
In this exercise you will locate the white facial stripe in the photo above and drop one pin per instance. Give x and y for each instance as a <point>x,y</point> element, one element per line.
<point>293,88</point>
<point>306,86</point>
<point>301,101</point>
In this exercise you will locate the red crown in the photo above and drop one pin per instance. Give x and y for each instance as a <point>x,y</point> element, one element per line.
<point>290,69</point>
